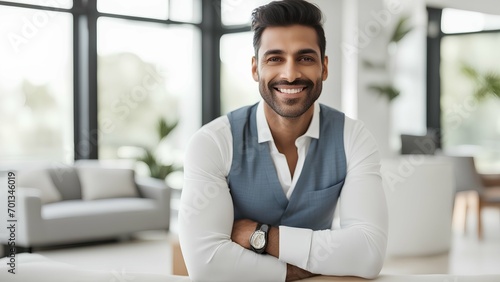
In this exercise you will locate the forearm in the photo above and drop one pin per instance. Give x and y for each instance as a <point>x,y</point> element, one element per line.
<point>205,237</point>
<point>358,248</point>
<point>354,251</point>
<point>243,230</point>
<point>206,219</point>
<point>292,272</point>
<point>295,273</point>
<point>273,246</point>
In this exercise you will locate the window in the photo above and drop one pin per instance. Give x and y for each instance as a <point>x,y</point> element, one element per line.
<point>148,67</point>
<point>36,84</point>
<point>469,125</point>
<point>237,12</point>
<point>185,10</point>
<point>157,9</point>
<point>176,10</point>
<point>460,21</point>
<point>146,72</point>
<point>236,50</point>
<point>66,4</point>
<point>237,85</point>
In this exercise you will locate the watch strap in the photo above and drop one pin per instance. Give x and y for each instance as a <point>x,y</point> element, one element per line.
<point>265,228</point>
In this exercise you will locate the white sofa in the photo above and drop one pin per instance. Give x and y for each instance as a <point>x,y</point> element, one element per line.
<point>85,202</point>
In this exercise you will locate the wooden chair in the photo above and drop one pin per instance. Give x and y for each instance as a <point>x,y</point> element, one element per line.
<point>470,191</point>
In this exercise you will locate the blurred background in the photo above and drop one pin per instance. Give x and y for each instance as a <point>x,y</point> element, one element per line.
<point>133,80</point>
<point>91,79</point>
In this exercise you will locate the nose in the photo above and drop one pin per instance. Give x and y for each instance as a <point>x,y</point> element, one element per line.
<point>290,71</point>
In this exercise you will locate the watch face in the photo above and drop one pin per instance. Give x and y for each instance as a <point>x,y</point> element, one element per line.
<point>258,239</point>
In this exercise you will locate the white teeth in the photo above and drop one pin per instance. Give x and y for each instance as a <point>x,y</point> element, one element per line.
<point>290,91</point>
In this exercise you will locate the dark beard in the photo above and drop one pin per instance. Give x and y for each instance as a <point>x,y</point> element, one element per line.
<point>300,106</point>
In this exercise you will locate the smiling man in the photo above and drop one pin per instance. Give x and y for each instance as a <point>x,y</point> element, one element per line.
<point>262,183</point>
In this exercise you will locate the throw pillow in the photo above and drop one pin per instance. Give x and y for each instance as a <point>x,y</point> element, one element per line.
<point>103,183</point>
<point>41,180</point>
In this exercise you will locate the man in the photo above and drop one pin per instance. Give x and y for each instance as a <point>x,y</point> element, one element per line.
<point>262,183</point>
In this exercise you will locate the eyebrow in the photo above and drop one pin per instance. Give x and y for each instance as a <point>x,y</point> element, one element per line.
<point>307,51</point>
<point>281,52</point>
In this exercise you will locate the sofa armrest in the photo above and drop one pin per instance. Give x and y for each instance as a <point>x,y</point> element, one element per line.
<point>155,189</point>
<point>28,212</point>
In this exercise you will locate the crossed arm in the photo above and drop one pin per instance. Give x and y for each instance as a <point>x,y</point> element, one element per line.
<point>216,248</point>
<point>243,229</point>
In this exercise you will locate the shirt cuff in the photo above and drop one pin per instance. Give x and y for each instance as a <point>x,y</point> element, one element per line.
<point>295,245</point>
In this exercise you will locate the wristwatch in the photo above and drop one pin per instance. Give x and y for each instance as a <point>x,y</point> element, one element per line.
<point>258,240</point>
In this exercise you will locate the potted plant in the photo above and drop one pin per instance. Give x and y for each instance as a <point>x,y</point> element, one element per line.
<point>158,169</point>
<point>388,89</point>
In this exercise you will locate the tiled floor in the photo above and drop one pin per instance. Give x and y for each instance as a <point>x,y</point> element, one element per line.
<point>150,252</point>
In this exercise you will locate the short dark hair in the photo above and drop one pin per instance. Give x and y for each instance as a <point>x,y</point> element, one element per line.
<point>286,13</point>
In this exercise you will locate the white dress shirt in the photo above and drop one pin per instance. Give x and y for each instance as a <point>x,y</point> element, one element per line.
<point>206,215</point>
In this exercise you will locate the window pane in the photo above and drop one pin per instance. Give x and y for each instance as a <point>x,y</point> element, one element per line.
<point>185,10</point>
<point>146,72</point>
<point>65,4</point>
<point>459,21</point>
<point>157,9</point>
<point>470,126</point>
<point>36,85</point>
<point>238,12</point>
<point>237,85</point>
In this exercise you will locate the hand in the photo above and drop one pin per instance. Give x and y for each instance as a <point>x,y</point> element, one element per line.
<point>242,230</point>
<point>295,273</point>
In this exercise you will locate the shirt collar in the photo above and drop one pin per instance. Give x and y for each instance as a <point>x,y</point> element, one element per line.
<point>265,133</point>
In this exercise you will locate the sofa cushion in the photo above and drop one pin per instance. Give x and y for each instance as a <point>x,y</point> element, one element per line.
<point>40,179</point>
<point>103,183</point>
<point>80,208</point>
<point>66,181</point>
<point>73,221</point>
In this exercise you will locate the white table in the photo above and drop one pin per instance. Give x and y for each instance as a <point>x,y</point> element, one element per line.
<point>36,268</point>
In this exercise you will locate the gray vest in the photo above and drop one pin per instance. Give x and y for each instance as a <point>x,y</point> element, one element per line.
<point>253,181</point>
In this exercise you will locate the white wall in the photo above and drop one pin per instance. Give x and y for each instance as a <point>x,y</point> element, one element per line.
<point>346,86</point>
<point>409,109</point>
<point>373,22</point>
<point>332,92</point>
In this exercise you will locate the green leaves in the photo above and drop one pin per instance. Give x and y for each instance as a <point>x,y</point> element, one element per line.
<point>401,30</point>
<point>487,84</point>
<point>156,168</point>
<point>469,71</point>
<point>385,90</point>
<point>164,129</point>
<point>372,65</point>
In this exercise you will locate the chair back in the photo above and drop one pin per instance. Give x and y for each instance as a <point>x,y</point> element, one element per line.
<point>419,193</point>
<point>418,144</point>
<point>466,176</point>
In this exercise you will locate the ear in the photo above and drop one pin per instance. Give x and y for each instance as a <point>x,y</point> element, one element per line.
<point>324,75</point>
<point>255,72</point>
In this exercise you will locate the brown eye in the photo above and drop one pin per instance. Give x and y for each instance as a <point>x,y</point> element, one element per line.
<point>274,59</point>
<point>306,59</point>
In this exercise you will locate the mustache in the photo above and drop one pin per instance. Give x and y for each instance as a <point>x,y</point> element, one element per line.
<point>306,82</point>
